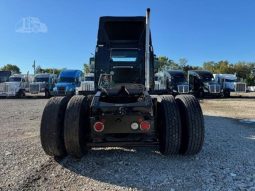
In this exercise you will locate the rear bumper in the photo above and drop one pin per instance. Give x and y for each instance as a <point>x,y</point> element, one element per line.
<point>117,120</point>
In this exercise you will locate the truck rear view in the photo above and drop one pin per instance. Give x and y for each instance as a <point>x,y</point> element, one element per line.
<point>122,112</point>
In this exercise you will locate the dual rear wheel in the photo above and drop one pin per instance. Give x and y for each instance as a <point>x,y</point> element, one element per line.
<point>180,124</point>
<point>65,125</point>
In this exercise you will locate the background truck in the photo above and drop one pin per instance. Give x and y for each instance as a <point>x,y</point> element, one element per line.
<point>15,87</point>
<point>87,85</point>
<point>229,84</point>
<point>202,83</point>
<point>68,80</point>
<point>43,84</point>
<point>4,76</point>
<point>122,112</point>
<point>174,81</point>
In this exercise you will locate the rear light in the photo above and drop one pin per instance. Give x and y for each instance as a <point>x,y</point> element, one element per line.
<point>145,126</point>
<point>134,126</point>
<point>98,126</point>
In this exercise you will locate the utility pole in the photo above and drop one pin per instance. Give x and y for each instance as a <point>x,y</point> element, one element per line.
<point>34,67</point>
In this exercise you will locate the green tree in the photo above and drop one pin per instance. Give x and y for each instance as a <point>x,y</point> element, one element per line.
<point>164,62</point>
<point>183,62</point>
<point>38,69</point>
<point>10,67</point>
<point>210,66</point>
<point>86,68</point>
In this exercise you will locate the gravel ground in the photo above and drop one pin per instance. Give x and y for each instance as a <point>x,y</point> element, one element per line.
<point>227,161</point>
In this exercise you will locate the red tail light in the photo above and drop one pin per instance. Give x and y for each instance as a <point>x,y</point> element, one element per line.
<point>145,126</point>
<point>98,126</point>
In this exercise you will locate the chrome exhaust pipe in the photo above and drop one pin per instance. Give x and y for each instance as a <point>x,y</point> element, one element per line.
<point>147,51</point>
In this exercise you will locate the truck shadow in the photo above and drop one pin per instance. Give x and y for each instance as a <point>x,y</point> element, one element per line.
<point>147,169</point>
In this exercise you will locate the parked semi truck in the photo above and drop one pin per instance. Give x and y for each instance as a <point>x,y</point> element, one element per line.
<point>174,81</point>
<point>43,84</point>
<point>87,85</point>
<point>16,86</point>
<point>68,80</point>
<point>229,84</point>
<point>202,83</point>
<point>122,112</point>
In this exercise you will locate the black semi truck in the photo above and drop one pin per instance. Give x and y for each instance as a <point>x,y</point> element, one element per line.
<point>202,84</point>
<point>4,75</point>
<point>122,112</point>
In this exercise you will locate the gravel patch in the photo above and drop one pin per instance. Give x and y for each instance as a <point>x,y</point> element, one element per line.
<point>227,161</point>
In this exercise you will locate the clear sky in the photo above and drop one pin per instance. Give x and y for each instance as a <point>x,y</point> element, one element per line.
<point>198,30</point>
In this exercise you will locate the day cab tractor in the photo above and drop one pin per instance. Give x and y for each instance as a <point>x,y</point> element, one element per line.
<point>122,113</point>
<point>43,84</point>
<point>16,86</point>
<point>202,84</point>
<point>68,81</point>
<point>87,85</point>
<point>229,84</point>
<point>173,81</point>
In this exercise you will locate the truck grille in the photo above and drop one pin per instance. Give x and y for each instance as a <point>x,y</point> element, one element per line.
<point>3,87</point>
<point>215,88</point>
<point>34,88</point>
<point>87,87</point>
<point>240,87</point>
<point>183,89</point>
<point>61,90</point>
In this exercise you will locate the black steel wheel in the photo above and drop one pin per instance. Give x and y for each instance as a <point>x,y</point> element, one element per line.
<point>52,127</point>
<point>169,125</point>
<point>76,131</point>
<point>192,121</point>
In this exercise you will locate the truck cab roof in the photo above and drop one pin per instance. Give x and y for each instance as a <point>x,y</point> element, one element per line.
<point>176,72</point>
<point>45,75</point>
<point>70,73</point>
<point>201,73</point>
<point>226,76</point>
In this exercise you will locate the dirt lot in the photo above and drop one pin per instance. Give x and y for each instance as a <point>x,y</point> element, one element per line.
<point>227,161</point>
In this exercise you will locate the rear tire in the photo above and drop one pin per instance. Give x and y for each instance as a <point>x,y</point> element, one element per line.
<point>169,125</point>
<point>192,124</point>
<point>226,94</point>
<point>76,132</point>
<point>47,94</point>
<point>21,94</point>
<point>52,124</point>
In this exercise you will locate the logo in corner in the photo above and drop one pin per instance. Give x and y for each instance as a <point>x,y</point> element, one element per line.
<point>31,25</point>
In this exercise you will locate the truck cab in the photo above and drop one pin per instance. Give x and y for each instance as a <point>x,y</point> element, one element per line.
<point>87,85</point>
<point>202,83</point>
<point>172,81</point>
<point>43,84</point>
<point>68,80</point>
<point>14,87</point>
<point>176,82</point>
<point>229,84</point>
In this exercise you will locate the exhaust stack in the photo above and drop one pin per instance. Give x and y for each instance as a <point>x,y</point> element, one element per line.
<point>147,51</point>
